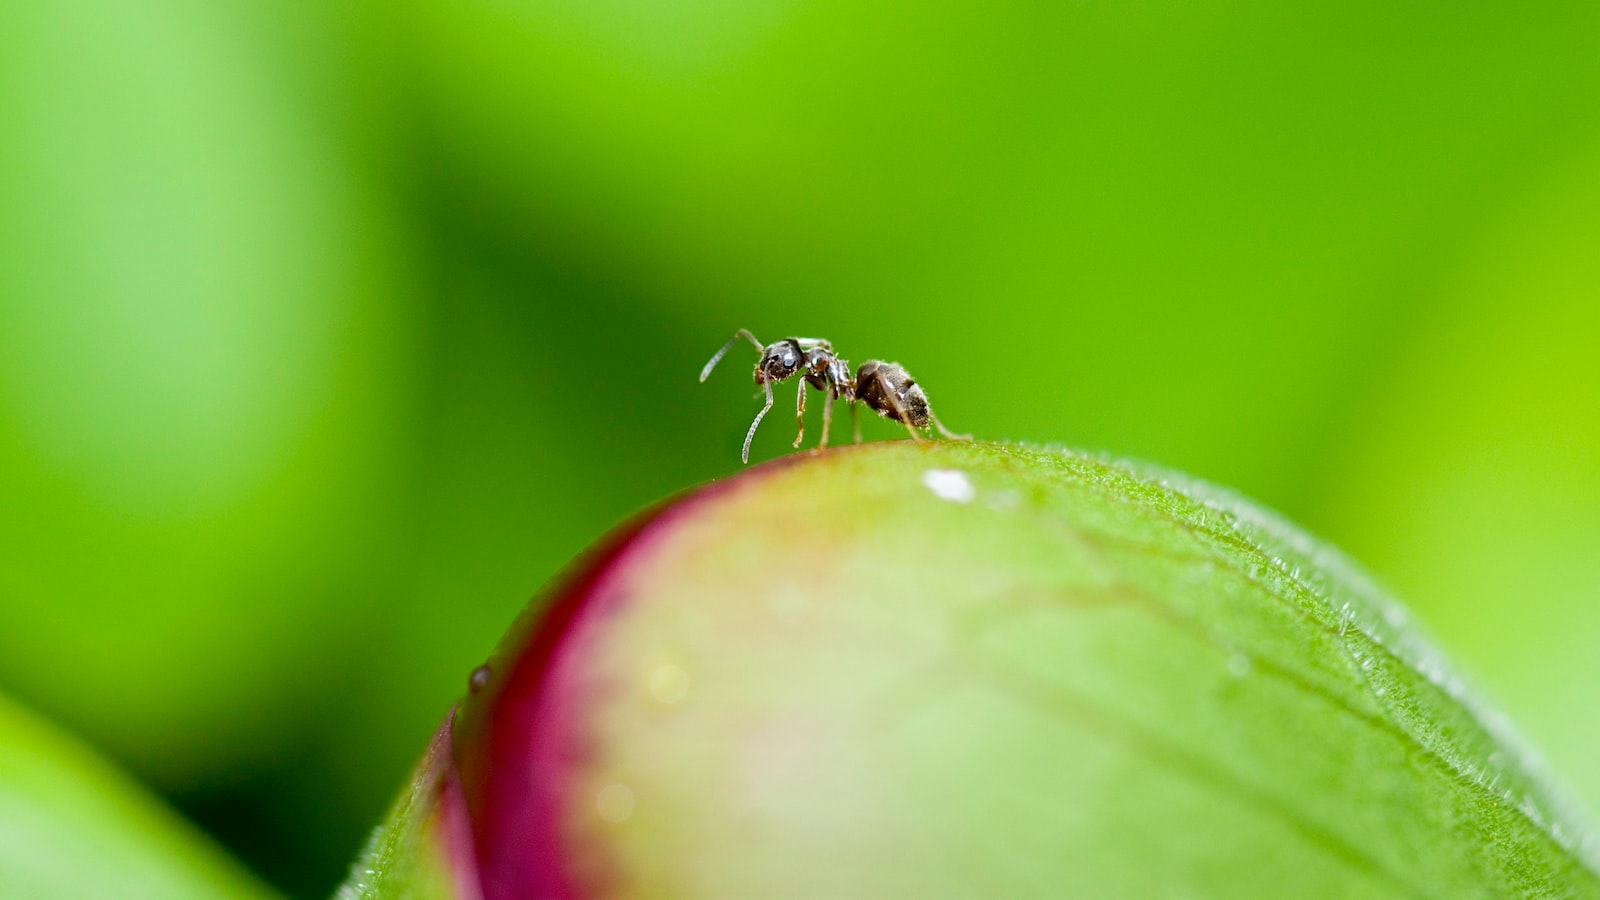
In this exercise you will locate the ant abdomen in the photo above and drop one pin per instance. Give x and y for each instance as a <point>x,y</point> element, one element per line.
<point>890,391</point>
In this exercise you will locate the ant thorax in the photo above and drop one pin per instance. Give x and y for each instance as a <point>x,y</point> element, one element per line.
<point>828,373</point>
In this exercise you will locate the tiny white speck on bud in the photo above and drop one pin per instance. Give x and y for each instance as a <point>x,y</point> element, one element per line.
<point>949,484</point>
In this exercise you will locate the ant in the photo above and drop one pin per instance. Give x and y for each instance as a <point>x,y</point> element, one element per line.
<point>887,388</point>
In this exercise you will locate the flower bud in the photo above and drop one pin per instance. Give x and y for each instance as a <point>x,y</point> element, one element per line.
<point>978,670</point>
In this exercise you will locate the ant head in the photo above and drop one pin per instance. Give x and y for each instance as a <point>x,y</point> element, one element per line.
<point>778,361</point>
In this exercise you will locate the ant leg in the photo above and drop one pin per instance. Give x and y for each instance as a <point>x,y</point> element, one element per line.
<point>855,418</point>
<point>899,411</point>
<point>741,333</point>
<point>750,435</point>
<point>945,431</point>
<point>827,418</point>
<point>800,412</point>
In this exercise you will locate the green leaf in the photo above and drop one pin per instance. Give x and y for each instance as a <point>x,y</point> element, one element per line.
<point>989,670</point>
<point>72,826</point>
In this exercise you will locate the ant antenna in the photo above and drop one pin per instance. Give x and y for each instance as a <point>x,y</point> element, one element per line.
<point>750,435</point>
<point>706,372</point>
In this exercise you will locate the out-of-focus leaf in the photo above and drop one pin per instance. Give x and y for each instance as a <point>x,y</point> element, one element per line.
<point>987,670</point>
<point>71,827</point>
<point>202,330</point>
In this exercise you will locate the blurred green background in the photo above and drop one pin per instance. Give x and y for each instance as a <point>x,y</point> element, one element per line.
<point>330,331</point>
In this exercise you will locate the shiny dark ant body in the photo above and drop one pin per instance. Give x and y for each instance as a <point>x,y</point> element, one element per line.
<point>886,388</point>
